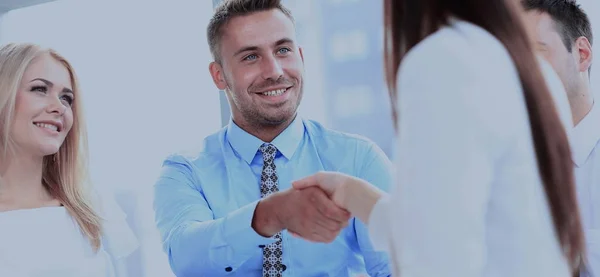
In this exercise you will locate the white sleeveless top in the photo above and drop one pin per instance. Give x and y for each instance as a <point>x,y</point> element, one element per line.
<point>47,242</point>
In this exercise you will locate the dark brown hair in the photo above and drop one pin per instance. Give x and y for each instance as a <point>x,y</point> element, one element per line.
<point>408,22</point>
<point>229,9</point>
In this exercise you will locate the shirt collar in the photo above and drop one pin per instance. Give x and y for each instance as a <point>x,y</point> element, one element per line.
<point>585,136</point>
<point>247,145</point>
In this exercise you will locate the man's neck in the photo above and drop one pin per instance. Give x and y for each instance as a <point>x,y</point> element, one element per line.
<point>266,133</point>
<point>581,104</point>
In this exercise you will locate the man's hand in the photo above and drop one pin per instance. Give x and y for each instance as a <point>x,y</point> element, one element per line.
<point>308,213</point>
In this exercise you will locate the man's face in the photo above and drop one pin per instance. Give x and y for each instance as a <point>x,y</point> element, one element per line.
<point>548,42</point>
<point>261,68</point>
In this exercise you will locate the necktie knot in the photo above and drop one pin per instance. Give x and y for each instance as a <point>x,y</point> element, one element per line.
<point>268,150</point>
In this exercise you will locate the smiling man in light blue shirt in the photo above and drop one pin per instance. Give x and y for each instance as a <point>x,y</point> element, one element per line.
<point>229,209</point>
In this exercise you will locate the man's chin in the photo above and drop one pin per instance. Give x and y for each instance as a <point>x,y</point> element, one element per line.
<point>277,120</point>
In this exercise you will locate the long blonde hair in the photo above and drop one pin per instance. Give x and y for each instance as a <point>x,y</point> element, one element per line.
<point>65,174</point>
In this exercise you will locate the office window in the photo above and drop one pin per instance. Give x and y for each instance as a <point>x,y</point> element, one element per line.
<point>343,51</point>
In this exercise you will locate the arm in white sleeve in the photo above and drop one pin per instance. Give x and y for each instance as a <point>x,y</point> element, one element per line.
<point>435,217</point>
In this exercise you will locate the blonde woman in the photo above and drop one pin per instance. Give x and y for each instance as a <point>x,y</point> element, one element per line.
<point>50,222</point>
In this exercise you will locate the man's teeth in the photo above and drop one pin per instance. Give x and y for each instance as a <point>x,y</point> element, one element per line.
<point>274,92</point>
<point>47,126</point>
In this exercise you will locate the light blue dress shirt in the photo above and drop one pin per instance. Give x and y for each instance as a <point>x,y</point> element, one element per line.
<point>205,203</point>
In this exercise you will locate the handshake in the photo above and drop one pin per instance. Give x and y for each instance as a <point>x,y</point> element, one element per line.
<point>317,207</point>
<point>311,209</point>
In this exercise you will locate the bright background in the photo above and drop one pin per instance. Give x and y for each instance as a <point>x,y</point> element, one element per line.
<point>143,66</point>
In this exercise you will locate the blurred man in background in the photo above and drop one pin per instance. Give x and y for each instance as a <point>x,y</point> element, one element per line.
<point>562,33</point>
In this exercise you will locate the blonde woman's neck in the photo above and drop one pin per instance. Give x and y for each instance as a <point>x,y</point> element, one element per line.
<point>21,184</point>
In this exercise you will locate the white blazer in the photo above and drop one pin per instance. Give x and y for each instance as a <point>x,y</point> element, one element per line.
<point>468,201</point>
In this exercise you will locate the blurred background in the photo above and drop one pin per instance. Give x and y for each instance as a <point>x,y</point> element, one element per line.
<point>143,67</point>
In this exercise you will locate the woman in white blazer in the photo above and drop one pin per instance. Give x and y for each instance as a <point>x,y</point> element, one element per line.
<point>484,177</point>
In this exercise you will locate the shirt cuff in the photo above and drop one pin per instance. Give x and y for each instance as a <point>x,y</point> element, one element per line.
<point>237,232</point>
<point>379,227</point>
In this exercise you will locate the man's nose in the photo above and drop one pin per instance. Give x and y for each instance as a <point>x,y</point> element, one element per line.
<point>272,69</point>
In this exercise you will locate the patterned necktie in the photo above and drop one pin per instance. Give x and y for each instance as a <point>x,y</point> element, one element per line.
<point>272,253</point>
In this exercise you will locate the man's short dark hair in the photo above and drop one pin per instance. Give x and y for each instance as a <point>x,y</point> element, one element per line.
<point>571,21</point>
<point>229,9</point>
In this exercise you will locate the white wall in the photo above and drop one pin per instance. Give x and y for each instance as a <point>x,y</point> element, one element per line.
<point>143,66</point>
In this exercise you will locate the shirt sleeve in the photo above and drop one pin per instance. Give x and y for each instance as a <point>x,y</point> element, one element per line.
<point>196,243</point>
<point>379,224</point>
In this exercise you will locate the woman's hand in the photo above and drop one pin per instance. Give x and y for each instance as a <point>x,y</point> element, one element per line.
<point>333,183</point>
<point>353,194</point>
